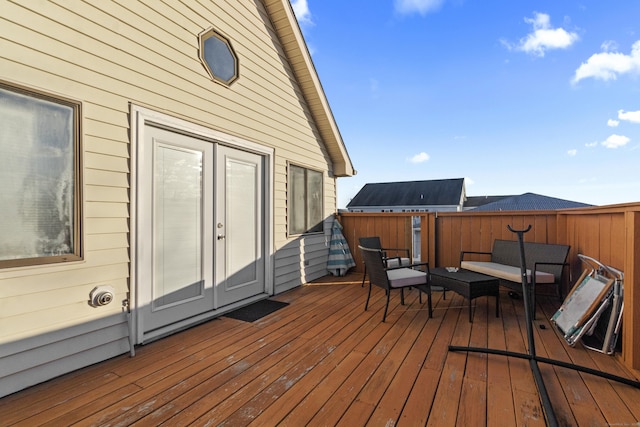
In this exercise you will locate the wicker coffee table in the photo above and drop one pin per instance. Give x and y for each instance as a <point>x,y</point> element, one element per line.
<point>469,284</point>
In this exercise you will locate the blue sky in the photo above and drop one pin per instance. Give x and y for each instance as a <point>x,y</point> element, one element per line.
<point>515,96</point>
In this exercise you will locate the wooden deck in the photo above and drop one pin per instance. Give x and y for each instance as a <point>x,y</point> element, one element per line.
<point>322,360</point>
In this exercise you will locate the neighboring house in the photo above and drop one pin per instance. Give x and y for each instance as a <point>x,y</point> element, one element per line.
<point>411,196</point>
<point>529,202</point>
<point>445,195</point>
<point>162,163</point>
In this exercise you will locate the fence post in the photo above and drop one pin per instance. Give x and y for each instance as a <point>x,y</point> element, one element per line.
<point>631,315</point>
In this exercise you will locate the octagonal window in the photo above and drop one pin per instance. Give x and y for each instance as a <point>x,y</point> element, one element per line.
<point>218,57</point>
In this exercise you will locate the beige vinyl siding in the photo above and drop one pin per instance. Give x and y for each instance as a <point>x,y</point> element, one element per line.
<point>109,55</point>
<point>304,259</point>
<point>59,352</point>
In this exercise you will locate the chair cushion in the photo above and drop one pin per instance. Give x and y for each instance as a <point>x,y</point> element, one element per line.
<point>394,262</point>
<point>406,277</point>
<point>505,272</point>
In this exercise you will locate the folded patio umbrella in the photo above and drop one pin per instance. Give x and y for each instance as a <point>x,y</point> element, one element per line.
<point>340,259</point>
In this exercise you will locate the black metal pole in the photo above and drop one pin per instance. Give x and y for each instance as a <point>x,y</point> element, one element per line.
<point>549,413</point>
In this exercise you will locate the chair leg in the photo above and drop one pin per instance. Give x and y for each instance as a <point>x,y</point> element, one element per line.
<point>366,305</point>
<point>402,296</point>
<point>364,276</point>
<point>386,307</point>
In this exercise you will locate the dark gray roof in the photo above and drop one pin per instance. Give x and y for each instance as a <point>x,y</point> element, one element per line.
<point>530,202</point>
<point>410,193</point>
<point>475,201</point>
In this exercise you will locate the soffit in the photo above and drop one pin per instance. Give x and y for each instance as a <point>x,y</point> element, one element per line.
<point>295,48</point>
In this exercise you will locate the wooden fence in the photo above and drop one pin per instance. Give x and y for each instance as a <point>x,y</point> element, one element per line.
<point>610,234</point>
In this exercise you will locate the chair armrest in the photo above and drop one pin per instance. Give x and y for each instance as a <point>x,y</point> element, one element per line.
<point>384,250</point>
<point>419,264</point>
<point>565,264</point>
<point>463,253</point>
<point>536,264</point>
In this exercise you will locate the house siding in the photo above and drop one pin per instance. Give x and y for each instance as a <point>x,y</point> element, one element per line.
<point>109,55</point>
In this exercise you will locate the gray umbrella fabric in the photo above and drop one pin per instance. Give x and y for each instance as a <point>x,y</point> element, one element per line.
<point>340,259</point>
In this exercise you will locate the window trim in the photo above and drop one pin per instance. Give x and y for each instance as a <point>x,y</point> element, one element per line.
<point>309,230</point>
<point>207,34</point>
<point>77,253</point>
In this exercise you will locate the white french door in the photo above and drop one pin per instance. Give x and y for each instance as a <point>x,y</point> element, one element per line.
<point>175,260</point>
<point>239,230</point>
<point>200,228</point>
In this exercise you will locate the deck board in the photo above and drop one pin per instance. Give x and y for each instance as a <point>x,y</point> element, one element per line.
<point>473,400</point>
<point>323,360</point>
<point>582,389</point>
<point>392,402</point>
<point>500,410</point>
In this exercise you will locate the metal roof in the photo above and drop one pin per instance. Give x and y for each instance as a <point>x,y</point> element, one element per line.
<point>475,201</point>
<point>530,202</point>
<point>437,192</point>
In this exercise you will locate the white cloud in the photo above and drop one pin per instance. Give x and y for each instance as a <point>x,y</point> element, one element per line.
<point>419,158</point>
<point>631,116</point>
<point>591,144</point>
<point>543,37</point>
<point>608,65</point>
<point>572,153</point>
<point>301,10</point>
<point>609,46</point>
<point>420,6</point>
<point>612,123</point>
<point>615,141</point>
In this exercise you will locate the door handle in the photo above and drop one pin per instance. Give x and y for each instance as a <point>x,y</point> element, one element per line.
<point>221,236</point>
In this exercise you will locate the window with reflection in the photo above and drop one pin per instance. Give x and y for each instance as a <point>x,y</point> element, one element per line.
<point>39,178</point>
<point>305,198</point>
<point>218,57</point>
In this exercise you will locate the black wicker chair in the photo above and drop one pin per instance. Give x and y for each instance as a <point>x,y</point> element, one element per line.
<point>390,278</point>
<point>400,257</point>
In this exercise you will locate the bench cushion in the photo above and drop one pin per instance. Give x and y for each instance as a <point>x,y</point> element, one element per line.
<point>505,272</point>
<point>406,277</point>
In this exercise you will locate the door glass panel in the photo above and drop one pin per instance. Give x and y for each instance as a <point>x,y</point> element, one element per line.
<point>242,221</point>
<point>178,205</point>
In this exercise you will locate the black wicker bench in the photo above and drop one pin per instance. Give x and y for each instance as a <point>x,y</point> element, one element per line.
<point>546,264</point>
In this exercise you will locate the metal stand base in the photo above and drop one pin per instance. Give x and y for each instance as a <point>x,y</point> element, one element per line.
<point>549,413</point>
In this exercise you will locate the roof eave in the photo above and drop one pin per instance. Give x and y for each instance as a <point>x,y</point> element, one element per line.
<point>288,30</point>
